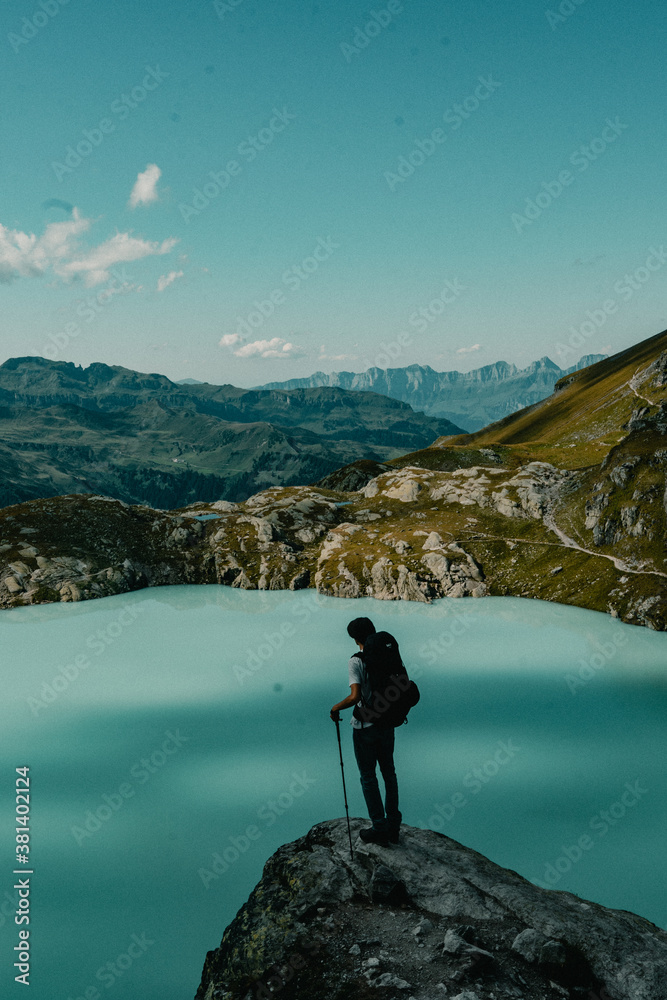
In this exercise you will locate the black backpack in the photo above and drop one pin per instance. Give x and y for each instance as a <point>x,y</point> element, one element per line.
<point>393,694</point>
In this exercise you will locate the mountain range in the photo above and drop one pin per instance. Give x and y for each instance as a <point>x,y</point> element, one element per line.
<point>563,501</point>
<point>471,399</point>
<point>144,439</point>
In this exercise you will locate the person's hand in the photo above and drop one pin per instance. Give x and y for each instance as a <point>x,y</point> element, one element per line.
<point>334,715</point>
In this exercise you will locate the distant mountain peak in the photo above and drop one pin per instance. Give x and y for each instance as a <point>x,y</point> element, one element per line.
<point>471,399</point>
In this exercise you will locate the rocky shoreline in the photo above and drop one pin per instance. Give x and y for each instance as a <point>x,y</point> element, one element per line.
<point>408,534</point>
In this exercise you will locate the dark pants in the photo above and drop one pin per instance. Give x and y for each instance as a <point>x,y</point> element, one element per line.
<point>374,745</point>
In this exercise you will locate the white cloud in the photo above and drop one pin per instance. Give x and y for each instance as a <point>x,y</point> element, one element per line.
<point>145,186</point>
<point>57,252</point>
<point>274,348</point>
<point>30,256</point>
<point>94,265</point>
<point>229,340</point>
<point>467,350</point>
<point>166,279</point>
<point>336,357</point>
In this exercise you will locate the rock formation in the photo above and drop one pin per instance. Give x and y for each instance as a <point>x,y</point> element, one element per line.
<point>427,919</point>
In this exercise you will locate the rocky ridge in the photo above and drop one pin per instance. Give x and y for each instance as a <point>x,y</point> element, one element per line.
<point>471,399</point>
<point>454,520</point>
<point>427,919</point>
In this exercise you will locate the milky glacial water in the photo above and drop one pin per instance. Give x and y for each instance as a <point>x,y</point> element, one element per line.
<point>166,727</point>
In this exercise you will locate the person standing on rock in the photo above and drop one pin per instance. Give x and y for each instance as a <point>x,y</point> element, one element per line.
<point>373,744</point>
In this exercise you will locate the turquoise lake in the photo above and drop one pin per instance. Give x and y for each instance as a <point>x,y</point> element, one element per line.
<point>168,728</point>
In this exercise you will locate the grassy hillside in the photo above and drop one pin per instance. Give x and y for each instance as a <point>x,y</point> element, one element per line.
<point>585,417</point>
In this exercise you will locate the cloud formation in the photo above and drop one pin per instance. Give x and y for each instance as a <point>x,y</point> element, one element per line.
<point>166,279</point>
<point>145,186</point>
<point>274,348</point>
<point>94,265</point>
<point>467,350</point>
<point>335,357</point>
<point>57,252</point>
<point>30,256</point>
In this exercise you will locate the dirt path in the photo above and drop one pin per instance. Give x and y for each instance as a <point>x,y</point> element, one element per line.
<point>631,383</point>
<point>566,543</point>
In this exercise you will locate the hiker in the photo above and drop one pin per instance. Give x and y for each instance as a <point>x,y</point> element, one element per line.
<point>373,744</point>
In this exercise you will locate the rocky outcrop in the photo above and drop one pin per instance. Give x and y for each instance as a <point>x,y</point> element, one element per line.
<point>426,919</point>
<point>409,534</point>
<point>353,477</point>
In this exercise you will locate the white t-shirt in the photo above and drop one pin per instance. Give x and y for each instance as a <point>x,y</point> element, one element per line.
<point>358,676</point>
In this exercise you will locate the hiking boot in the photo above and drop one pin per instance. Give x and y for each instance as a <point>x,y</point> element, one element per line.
<point>393,836</point>
<point>373,836</point>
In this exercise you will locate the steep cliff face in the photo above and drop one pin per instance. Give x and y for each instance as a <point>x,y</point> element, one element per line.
<point>427,919</point>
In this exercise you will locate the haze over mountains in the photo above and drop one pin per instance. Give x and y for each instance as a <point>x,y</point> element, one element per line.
<point>471,399</point>
<point>144,439</point>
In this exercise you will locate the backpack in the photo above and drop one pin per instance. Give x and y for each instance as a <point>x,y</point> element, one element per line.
<point>393,694</point>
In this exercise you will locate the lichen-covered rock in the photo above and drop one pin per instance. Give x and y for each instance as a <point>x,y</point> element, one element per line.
<point>322,925</point>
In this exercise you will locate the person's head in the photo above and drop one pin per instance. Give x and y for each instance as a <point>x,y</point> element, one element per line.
<point>359,629</point>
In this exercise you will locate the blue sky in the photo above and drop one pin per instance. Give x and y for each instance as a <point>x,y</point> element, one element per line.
<point>241,192</point>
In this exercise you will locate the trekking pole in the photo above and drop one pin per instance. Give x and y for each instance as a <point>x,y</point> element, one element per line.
<point>342,771</point>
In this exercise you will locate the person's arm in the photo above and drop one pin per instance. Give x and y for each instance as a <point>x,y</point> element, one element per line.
<point>351,699</point>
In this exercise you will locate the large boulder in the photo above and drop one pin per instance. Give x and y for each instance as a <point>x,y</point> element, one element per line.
<point>427,918</point>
